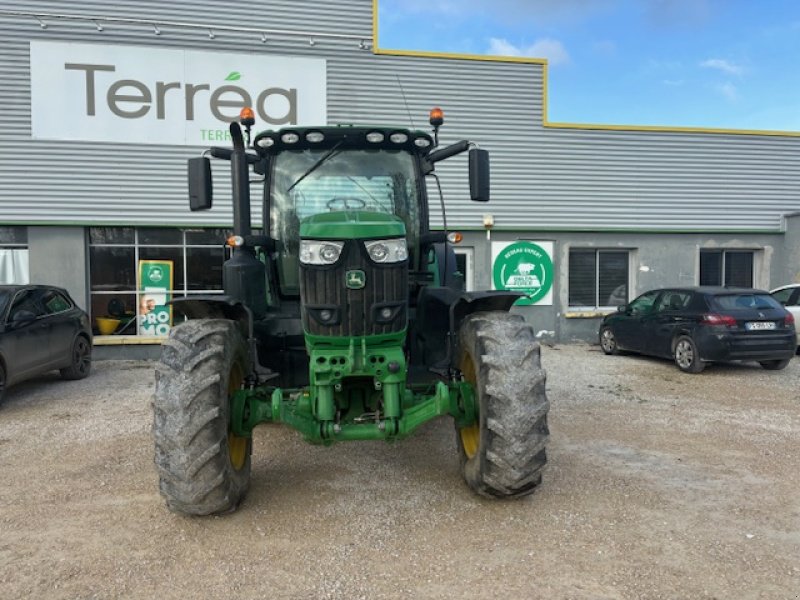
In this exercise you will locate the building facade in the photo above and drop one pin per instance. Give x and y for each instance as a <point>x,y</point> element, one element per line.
<point>102,104</point>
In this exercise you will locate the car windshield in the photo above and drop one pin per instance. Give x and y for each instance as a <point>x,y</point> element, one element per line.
<point>745,302</point>
<point>370,180</point>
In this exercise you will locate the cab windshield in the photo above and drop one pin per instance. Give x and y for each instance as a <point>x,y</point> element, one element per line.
<point>367,180</point>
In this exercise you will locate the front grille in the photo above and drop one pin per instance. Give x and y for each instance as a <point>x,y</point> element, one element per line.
<point>323,288</point>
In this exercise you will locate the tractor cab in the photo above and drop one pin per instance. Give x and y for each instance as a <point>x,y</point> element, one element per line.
<point>352,175</point>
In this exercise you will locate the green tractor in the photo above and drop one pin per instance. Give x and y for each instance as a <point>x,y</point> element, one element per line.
<point>344,318</point>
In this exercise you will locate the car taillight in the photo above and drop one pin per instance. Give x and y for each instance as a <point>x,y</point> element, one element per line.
<point>789,319</point>
<point>715,319</point>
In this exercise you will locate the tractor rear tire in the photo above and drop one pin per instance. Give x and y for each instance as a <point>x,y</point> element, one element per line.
<point>203,468</point>
<point>503,453</point>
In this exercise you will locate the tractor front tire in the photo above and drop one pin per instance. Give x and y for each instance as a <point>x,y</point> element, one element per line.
<point>503,453</point>
<point>203,467</point>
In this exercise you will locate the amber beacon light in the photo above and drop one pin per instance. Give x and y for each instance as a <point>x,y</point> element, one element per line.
<point>437,117</point>
<point>247,117</point>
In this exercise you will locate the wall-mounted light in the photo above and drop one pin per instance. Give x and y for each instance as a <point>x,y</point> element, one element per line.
<point>42,24</point>
<point>312,42</point>
<point>99,27</point>
<point>156,30</point>
<point>488,221</point>
<point>263,38</point>
<point>211,34</point>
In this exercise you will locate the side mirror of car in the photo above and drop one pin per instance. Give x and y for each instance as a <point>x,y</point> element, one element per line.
<point>623,308</point>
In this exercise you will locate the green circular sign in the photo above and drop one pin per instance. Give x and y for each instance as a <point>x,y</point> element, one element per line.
<point>524,267</point>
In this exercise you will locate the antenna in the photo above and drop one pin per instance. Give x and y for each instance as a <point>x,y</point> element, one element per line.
<point>403,92</point>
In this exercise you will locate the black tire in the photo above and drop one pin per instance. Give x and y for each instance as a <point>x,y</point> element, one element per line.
<point>775,365</point>
<point>686,356</point>
<point>2,382</point>
<point>81,357</point>
<point>203,468</point>
<point>503,454</point>
<point>608,341</point>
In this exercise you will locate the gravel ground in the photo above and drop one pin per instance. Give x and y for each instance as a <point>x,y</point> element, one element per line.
<point>660,485</point>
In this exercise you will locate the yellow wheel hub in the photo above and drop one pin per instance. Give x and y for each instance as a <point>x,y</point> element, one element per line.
<point>237,446</point>
<point>471,435</point>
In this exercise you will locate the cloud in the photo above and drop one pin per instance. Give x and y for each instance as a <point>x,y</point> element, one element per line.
<point>552,50</point>
<point>728,91</point>
<point>722,65</point>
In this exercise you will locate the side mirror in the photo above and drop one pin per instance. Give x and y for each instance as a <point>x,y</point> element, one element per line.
<point>479,174</point>
<point>622,308</point>
<point>200,188</point>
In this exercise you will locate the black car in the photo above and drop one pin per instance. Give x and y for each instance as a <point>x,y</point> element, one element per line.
<point>41,329</point>
<point>698,325</point>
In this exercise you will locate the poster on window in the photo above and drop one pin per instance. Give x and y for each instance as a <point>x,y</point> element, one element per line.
<point>524,266</point>
<point>155,284</point>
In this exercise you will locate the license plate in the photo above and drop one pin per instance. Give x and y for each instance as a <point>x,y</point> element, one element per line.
<point>752,325</point>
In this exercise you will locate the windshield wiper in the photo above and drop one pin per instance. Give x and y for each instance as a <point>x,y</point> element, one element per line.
<point>316,165</point>
<point>368,193</point>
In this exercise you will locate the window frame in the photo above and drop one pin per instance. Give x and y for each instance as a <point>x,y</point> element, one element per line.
<point>137,245</point>
<point>723,252</point>
<point>597,252</point>
<point>20,245</point>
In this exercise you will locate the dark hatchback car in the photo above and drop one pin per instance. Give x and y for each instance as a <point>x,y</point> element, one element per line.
<point>41,329</point>
<point>695,326</point>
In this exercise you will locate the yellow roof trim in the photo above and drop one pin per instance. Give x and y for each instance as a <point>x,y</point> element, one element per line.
<point>453,55</point>
<point>543,62</point>
<point>670,128</point>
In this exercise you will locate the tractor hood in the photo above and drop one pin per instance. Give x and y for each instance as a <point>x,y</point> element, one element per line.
<point>352,224</point>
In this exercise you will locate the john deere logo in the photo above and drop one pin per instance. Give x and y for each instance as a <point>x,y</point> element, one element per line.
<point>355,280</point>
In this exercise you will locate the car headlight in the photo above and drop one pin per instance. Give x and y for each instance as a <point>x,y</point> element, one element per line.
<point>316,252</point>
<point>387,251</point>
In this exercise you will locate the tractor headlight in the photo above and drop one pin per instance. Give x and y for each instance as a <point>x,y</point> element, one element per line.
<point>315,252</point>
<point>387,251</point>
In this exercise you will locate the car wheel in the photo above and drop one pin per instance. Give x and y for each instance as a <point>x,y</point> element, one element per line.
<point>608,341</point>
<point>81,363</point>
<point>774,365</point>
<point>686,355</point>
<point>2,383</point>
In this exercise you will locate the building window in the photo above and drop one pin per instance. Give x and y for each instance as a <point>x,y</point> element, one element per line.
<point>726,267</point>
<point>14,266</point>
<point>598,277</point>
<point>117,255</point>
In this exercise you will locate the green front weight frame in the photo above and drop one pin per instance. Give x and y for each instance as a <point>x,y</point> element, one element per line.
<point>295,408</point>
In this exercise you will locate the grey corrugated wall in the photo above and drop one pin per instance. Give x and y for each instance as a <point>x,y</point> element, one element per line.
<point>543,177</point>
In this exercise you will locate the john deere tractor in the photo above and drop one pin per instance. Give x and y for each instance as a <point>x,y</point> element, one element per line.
<point>344,318</point>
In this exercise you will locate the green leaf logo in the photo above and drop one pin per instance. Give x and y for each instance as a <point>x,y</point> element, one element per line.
<point>234,76</point>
